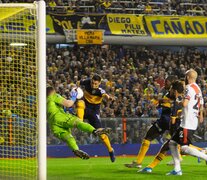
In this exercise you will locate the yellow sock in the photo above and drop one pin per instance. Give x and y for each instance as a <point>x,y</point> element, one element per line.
<point>106,142</point>
<point>196,147</point>
<point>80,107</point>
<point>180,156</point>
<point>157,160</point>
<point>143,150</point>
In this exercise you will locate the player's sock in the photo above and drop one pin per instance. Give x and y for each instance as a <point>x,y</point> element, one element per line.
<point>175,154</point>
<point>69,139</point>
<point>157,160</point>
<point>196,147</point>
<point>179,150</point>
<point>143,150</point>
<point>80,109</point>
<point>106,142</point>
<point>194,152</point>
<point>85,127</point>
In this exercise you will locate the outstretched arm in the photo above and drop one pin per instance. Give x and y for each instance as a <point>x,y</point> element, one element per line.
<point>201,113</point>
<point>71,101</point>
<point>108,97</point>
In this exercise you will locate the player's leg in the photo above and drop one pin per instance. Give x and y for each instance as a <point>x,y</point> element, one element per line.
<point>152,133</point>
<point>159,157</point>
<point>196,147</point>
<point>171,163</point>
<point>173,144</point>
<point>80,108</point>
<point>186,149</point>
<point>66,136</point>
<point>94,120</point>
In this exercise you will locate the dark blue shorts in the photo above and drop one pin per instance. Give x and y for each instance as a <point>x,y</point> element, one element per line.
<point>93,117</point>
<point>183,136</point>
<point>162,124</point>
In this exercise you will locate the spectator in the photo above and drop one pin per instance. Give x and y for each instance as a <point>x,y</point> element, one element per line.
<point>87,23</point>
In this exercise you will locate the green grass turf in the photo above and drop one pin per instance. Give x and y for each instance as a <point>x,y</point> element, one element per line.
<point>102,168</point>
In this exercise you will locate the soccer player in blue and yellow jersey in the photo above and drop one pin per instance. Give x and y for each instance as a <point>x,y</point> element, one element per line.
<point>61,123</point>
<point>176,91</point>
<point>157,128</point>
<point>89,107</point>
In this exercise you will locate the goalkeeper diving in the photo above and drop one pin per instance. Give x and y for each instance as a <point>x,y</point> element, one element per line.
<point>61,123</point>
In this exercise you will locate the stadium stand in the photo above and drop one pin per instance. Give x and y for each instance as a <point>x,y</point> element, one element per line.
<point>134,76</point>
<point>159,7</point>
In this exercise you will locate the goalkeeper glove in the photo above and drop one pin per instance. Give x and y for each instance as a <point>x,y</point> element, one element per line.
<point>73,95</point>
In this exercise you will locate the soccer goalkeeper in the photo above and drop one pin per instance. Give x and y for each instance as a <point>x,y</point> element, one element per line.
<point>61,123</point>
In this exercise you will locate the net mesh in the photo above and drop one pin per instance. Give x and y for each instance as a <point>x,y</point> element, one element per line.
<point>18,92</point>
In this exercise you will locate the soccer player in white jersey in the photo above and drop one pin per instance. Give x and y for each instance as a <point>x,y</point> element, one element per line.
<point>192,113</point>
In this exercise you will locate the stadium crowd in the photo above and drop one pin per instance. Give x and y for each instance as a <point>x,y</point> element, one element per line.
<point>135,76</point>
<point>161,7</point>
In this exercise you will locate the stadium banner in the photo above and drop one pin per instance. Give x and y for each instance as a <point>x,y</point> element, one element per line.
<point>112,24</point>
<point>73,21</point>
<point>9,24</point>
<point>176,26</point>
<point>49,25</point>
<point>126,24</point>
<point>89,36</point>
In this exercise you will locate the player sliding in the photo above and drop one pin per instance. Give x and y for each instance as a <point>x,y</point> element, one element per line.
<point>89,107</point>
<point>192,109</point>
<point>62,123</point>
<point>158,128</point>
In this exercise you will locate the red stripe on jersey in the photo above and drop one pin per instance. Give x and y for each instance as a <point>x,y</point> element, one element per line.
<point>185,136</point>
<point>195,88</point>
<point>197,91</point>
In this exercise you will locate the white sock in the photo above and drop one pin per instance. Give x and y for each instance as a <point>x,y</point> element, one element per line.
<point>193,152</point>
<point>175,154</point>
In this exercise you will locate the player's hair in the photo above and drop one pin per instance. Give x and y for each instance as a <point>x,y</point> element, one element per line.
<point>49,89</point>
<point>96,77</point>
<point>178,86</point>
<point>171,78</point>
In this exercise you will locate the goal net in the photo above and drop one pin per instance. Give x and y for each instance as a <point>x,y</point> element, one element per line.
<point>19,91</point>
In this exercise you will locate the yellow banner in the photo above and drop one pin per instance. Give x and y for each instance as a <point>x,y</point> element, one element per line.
<point>126,24</point>
<point>177,27</point>
<point>16,20</point>
<point>49,25</point>
<point>89,36</point>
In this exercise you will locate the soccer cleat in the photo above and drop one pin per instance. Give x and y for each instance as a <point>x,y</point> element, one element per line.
<point>146,170</point>
<point>133,165</point>
<point>101,131</point>
<point>81,154</point>
<point>112,156</point>
<point>175,173</point>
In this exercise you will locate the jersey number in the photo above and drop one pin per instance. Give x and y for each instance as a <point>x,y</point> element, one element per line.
<point>198,102</point>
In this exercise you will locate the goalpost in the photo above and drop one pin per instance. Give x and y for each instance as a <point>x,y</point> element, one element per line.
<point>22,91</point>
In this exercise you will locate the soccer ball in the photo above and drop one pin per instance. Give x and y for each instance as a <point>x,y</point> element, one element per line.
<point>80,92</point>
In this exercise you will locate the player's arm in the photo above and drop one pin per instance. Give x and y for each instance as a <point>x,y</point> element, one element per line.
<point>71,101</point>
<point>201,109</point>
<point>185,102</point>
<point>67,103</point>
<point>108,97</point>
<point>187,97</point>
<point>201,114</point>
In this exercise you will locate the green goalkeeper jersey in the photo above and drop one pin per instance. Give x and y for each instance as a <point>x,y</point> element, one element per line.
<point>54,105</point>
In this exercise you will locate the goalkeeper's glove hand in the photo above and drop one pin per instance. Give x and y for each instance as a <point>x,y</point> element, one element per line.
<point>73,95</point>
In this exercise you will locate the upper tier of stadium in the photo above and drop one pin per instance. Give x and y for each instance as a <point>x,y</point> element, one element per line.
<point>158,7</point>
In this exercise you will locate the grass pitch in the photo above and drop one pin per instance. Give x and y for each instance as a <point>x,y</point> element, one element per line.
<point>102,168</point>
